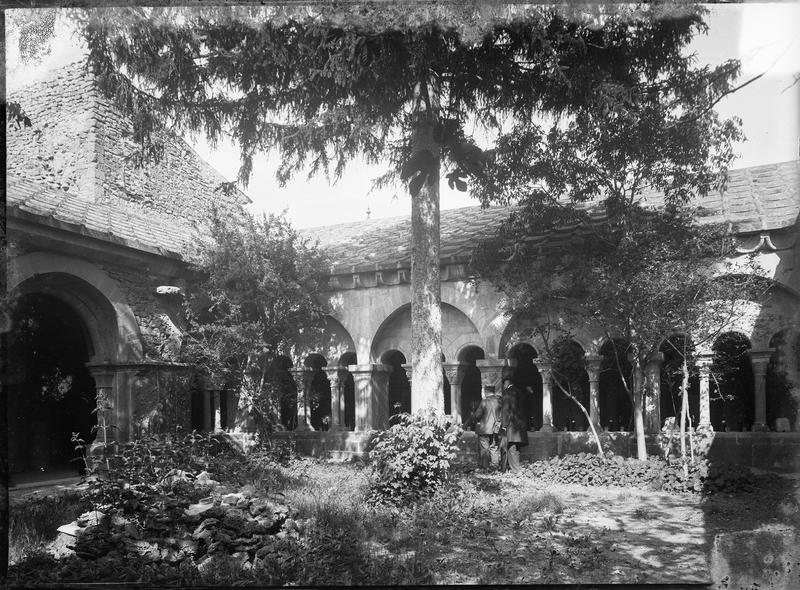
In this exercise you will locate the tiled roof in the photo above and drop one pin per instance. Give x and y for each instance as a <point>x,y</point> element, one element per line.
<point>757,199</point>
<point>113,222</point>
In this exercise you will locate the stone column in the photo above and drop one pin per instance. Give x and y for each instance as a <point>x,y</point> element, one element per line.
<point>760,361</point>
<point>593,369</point>
<point>107,431</point>
<point>455,375</point>
<point>302,380</point>
<point>546,371</point>
<point>372,395</point>
<point>652,400</point>
<point>217,409</point>
<point>336,398</point>
<point>704,368</point>
<point>492,371</point>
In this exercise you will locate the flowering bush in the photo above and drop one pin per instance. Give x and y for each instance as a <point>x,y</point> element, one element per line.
<point>413,456</point>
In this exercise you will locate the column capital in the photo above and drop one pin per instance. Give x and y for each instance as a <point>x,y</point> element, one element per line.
<point>333,374</point>
<point>760,360</point>
<point>409,369</point>
<point>454,372</point>
<point>368,369</point>
<point>545,368</point>
<point>703,363</point>
<point>593,362</point>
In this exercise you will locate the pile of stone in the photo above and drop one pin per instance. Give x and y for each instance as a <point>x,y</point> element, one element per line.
<point>240,525</point>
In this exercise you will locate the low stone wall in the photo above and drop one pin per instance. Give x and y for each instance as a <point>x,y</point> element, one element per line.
<point>773,451</point>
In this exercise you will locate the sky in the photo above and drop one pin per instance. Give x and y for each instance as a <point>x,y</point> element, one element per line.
<point>763,36</point>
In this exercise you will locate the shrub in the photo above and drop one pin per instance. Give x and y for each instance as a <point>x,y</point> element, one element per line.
<point>154,476</point>
<point>412,457</point>
<point>702,476</point>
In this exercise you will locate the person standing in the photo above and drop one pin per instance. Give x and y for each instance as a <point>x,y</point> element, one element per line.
<point>487,417</point>
<point>515,428</point>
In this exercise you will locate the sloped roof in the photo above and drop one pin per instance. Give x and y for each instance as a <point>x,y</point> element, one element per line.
<point>108,221</point>
<point>757,199</point>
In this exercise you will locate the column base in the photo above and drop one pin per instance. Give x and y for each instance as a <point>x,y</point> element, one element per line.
<point>303,427</point>
<point>760,428</point>
<point>546,428</point>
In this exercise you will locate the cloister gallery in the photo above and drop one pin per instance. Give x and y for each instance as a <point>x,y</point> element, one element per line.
<point>97,261</point>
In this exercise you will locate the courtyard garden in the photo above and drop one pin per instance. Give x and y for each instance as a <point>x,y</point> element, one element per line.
<point>190,509</point>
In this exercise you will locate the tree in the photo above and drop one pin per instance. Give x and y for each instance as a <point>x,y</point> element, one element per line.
<point>399,84</point>
<point>656,141</point>
<point>637,277</point>
<point>256,287</point>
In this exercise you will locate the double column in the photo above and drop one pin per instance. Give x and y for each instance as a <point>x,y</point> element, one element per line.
<point>455,375</point>
<point>546,371</point>
<point>372,395</point>
<point>337,398</point>
<point>593,363</point>
<point>760,361</point>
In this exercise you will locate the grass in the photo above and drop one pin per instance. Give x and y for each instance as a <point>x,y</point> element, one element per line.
<point>478,529</point>
<point>33,521</point>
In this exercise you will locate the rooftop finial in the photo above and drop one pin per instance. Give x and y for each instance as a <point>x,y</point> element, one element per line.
<point>368,212</point>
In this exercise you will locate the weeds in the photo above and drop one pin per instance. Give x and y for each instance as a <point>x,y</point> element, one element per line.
<point>644,513</point>
<point>34,520</point>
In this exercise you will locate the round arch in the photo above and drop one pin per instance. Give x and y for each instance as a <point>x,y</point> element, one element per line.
<point>329,338</point>
<point>394,333</point>
<point>96,297</point>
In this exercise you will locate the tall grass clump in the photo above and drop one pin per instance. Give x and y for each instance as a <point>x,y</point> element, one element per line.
<point>33,521</point>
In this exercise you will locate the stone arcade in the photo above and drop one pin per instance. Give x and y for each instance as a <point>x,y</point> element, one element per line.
<point>98,256</point>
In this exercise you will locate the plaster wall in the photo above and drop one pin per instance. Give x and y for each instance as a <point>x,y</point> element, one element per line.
<point>473,317</point>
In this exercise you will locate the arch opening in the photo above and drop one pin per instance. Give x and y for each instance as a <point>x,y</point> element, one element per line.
<point>732,387</point>
<point>348,391</point>
<point>675,349</point>
<point>399,389</point>
<point>783,382</point>
<point>571,377</point>
<point>51,391</point>
<point>471,382</point>
<point>616,407</point>
<point>528,380</point>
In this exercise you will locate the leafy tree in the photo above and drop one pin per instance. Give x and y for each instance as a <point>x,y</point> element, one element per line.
<point>256,289</point>
<point>403,85</point>
<point>637,276</point>
<point>658,141</point>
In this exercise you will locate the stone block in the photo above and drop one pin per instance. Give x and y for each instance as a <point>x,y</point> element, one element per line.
<point>782,425</point>
<point>776,456</point>
<point>541,446</point>
<point>756,559</point>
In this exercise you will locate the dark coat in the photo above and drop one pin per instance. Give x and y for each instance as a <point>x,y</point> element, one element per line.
<point>487,415</point>
<point>513,418</point>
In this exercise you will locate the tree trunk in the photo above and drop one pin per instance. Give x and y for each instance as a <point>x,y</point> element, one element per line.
<point>426,314</point>
<point>638,409</point>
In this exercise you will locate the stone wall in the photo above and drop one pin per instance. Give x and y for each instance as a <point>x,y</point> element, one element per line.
<point>58,149</point>
<point>159,316</point>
